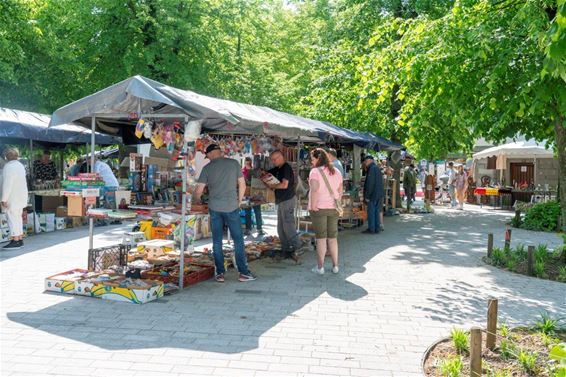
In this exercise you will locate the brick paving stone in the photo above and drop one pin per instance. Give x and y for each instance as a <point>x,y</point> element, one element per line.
<point>397,292</point>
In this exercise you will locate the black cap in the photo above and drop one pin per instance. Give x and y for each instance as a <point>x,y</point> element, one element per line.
<point>212,147</point>
<point>368,157</point>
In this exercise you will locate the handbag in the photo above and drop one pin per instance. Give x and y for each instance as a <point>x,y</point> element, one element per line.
<point>337,202</point>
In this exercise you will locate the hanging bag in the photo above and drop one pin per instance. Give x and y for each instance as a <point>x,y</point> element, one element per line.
<point>337,202</point>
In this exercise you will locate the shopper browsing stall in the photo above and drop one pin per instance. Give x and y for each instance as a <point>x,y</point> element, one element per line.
<point>249,172</point>
<point>325,184</point>
<point>14,196</point>
<point>333,156</point>
<point>286,200</point>
<point>226,188</point>
<point>409,184</point>
<point>373,194</point>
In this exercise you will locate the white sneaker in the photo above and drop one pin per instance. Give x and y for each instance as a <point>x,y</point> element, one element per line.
<point>335,269</point>
<point>318,271</point>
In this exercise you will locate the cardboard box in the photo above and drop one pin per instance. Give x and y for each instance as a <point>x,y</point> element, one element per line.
<point>75,222</point>
<point>3,220</point>
<point>133,294</point>
<point>47,222</point>
<point>61,211</point>
<point>65,281</point>
<point>50,203</point>
<point>268,194</point>
<point>75,206</point>
<point>60,223</point>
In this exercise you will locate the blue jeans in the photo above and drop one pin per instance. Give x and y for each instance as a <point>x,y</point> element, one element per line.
<point>374,208</point>
<point>232,221</point>
<point>257,213</point>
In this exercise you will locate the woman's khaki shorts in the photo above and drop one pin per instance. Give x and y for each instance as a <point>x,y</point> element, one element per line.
<point>325,223</point>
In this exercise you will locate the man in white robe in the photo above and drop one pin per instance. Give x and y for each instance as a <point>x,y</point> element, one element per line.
<point>14,196</point>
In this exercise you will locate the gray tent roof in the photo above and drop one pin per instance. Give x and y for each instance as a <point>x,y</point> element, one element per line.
<point>18,126</point>
<point>218,115</point>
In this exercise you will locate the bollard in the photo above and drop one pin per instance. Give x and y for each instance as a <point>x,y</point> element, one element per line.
<point>491,323</point>
<point>530,260</point>
<point>475,352</point>
<point>489,244</point>
<point>508,238</point>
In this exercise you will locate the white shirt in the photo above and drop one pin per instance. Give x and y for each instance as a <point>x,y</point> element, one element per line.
<point>14,185</point>
<point>105,172</point>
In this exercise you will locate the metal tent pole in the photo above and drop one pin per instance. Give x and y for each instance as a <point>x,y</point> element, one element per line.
<point>92,145</point>
<point>183,209</point>
<point>298,207</point>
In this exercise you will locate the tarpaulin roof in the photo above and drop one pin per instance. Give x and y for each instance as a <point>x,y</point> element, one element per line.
<point>18,126</point>
<point>218,115</point>
<point>524,149</point>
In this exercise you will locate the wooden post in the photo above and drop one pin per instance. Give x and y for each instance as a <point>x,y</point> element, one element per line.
<point>475,352</point>
<point>508,238</point>
<point>530,260</point>
<point>489,244</point>
<point>491,323</point>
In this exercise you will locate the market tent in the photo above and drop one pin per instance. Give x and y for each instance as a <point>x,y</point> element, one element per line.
<point>17,127</point>
<point>523,149</point>
<point>147,96</point>
<point>383,144</point>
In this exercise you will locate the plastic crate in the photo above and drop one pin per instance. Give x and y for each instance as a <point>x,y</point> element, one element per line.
<point>161,233</point>
<point>103,257</point>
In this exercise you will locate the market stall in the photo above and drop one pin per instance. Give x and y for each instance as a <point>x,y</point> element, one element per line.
<point>141,110</point>
<point>31,130</point>
<point>519,171</point>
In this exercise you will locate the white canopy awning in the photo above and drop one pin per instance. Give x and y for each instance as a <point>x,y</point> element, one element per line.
<point>521,149</point>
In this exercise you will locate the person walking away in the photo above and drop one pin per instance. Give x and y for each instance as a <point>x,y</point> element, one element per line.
<point>373,194</point>
<point>249,172</point>
<point>285,199</point>
<point>14,197</point>
<point>226,188</point>
<point>409,183</point>
<point>325,184</point>
<point>451,173</point>
<point>335,161</point>
<point>460,186</point>
<point>414,190</point>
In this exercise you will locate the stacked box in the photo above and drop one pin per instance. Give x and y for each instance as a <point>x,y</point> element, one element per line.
<point>60,223</point>
<point>4,228</point>
<point>46,222</point>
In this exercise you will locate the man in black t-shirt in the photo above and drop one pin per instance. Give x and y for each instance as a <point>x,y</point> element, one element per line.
<point>285,200</point>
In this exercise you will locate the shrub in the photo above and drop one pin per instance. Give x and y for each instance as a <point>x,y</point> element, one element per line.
<point>460,340</point>
<point>541,253</point>
<point>546,324</point>
<point>539,268</point>
<point>511,264</point>
<point>451,367</point>
<point>542,216</point>
<point>528,361</point>
<point>521,252</point>
<point>497,257</point>
<point>508,350</point>
<point>504,330</point>
<point>562,274</point>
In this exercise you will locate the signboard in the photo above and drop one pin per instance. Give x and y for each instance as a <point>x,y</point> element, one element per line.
<point>523,169</point>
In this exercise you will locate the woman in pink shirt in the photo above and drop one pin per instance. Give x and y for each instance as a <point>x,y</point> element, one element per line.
<point>325,188</point>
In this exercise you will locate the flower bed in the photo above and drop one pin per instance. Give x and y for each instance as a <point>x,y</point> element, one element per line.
<point>537,351</point>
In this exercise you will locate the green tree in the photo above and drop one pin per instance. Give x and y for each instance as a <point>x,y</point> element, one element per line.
<point>478,71</point>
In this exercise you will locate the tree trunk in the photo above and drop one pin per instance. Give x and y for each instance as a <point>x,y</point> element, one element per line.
<point>560,134</point>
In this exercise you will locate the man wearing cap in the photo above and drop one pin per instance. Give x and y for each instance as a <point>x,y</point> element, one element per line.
<point>373,194</point>
<point>226,188</point>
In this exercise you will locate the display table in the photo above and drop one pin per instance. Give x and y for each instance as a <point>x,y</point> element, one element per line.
<point>498,197</point>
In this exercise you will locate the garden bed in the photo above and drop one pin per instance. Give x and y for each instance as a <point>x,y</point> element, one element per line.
<point>518,352</point>
<point>547,264</point>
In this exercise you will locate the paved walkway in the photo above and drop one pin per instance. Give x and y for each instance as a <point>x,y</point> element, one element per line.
<point>396,293</point>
